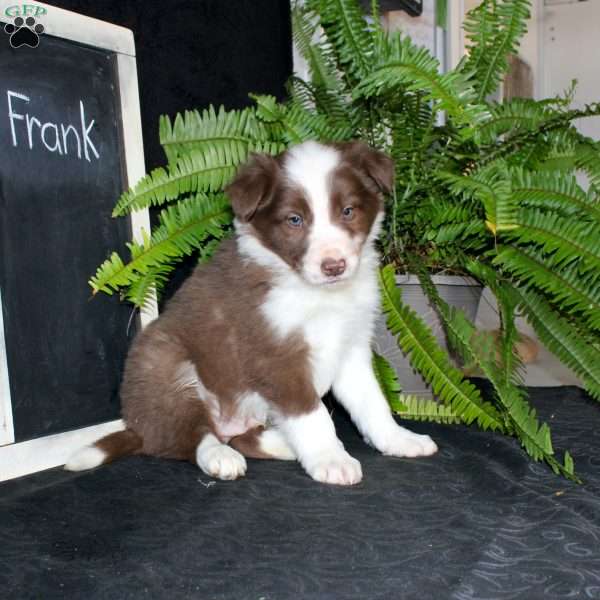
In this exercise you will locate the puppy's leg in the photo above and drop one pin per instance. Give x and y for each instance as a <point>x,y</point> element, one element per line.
<point>357,389</point>
<point>263,443</point>
<point>312,437</point>
<point>167,405</point>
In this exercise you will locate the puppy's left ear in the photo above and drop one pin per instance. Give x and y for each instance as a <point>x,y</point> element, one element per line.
<point>377,165</point>
<point>253,186</point>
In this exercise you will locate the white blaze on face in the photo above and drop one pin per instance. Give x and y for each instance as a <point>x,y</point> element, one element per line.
<point>310,165</point>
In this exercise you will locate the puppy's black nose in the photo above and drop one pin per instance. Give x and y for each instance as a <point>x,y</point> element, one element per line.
<point>333,267</point>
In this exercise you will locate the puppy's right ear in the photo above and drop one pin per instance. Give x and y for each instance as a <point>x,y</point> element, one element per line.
<point>253,186</point>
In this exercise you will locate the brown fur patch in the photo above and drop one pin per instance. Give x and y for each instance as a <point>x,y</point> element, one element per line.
<point>207,323</point>
<point>253,186</point>
<point>119,443</point>
<point>373,164</point>
<point>249,443</point>
<point>261,196</point>
<point>350,189</point>
<point>274,231</point>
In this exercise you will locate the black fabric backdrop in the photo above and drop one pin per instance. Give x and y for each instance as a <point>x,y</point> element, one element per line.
<point>191,53</point>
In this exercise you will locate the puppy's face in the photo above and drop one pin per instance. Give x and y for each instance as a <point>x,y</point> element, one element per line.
<point>314,206</point>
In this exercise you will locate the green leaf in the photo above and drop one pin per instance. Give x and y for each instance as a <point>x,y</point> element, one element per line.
<point>534,437</point>
<point>323,73</point>
<point>553,191</point>
<point>419,344</point>
<point>424,409</point>
<point>563,339</point>
<point>570,292</point>
<point>564,241</point>
<point>568,464</point>
<point>182,230</point>
<point>403,66</point>
<point>388,381</point>
<point>207,170</point>
<point>493,31</point>
<point>347,34</point>
<point>491,186</point>
<point>232,132</point>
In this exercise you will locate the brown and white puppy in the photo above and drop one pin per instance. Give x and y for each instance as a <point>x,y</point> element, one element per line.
<point>238,362</point>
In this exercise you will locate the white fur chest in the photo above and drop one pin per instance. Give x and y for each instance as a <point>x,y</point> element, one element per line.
<point>330,320</point>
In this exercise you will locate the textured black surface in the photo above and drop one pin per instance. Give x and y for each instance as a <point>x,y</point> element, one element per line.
<point>478,520</point>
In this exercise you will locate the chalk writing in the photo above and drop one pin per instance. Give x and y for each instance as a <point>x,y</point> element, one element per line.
<point>55,137</point>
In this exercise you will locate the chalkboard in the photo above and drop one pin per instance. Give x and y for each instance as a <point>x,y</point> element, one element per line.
<point>61,170</point>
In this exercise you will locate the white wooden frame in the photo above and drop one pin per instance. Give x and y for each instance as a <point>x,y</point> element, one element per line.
<point>51,451</point>
<point>455,43</point>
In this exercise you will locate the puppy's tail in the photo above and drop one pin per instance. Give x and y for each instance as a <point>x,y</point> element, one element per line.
<point>106,449</point>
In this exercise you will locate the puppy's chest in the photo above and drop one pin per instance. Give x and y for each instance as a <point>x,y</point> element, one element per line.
<point>328,324</point>
<point>327,337</point>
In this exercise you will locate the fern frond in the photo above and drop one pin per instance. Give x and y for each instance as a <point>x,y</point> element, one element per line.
<point>329,104</point>
<point>388,380</point>
<point>346,30</point>
<point>534,437</point>
<point>494,30</point>
<point>416,340</point>
<point>511,366</point>
<point>404,66</point>
<point>323,73</point>
<point>300,125</point>
<point>563,240</point>
<point>465,232</point>
<point>207,170</point>
<point>232,132</point>
<point>568,290</point>
<point>297,124</point>
<point>181,231</point>
<point>562,339</point>
<point>527,141</point>
<point>415,408</point>
<point>511,117</point>
<point>549,191</point>
<point>587,159</point>
<point>146,290</point>
<point>491,186</point>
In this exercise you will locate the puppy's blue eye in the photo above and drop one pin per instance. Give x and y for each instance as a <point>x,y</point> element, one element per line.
<point>295,220</point>
<point>348,212</point>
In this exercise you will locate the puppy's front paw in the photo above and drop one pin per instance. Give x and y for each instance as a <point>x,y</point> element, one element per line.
<point>336,467</point>
<point>401,442</point>
<point>220,461</point>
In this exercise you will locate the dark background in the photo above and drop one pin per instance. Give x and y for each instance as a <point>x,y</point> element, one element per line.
<point>191,53</point>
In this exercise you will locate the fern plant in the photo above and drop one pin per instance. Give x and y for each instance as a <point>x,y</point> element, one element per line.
<point>483,189</point>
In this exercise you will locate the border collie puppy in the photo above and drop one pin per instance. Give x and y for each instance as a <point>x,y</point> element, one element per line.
<point>239,360</point>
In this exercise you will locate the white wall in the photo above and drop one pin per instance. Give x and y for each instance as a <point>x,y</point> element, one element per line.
<point>570,47</point>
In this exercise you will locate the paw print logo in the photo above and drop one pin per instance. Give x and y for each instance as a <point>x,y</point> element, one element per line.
<point>24,32</point>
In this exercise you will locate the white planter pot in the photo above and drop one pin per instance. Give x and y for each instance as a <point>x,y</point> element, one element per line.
<point>458,291</point>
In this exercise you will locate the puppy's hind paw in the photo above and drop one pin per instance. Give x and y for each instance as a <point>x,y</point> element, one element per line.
<point>219,460</point>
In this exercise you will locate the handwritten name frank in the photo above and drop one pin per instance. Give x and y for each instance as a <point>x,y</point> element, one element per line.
<point>55,137</point>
